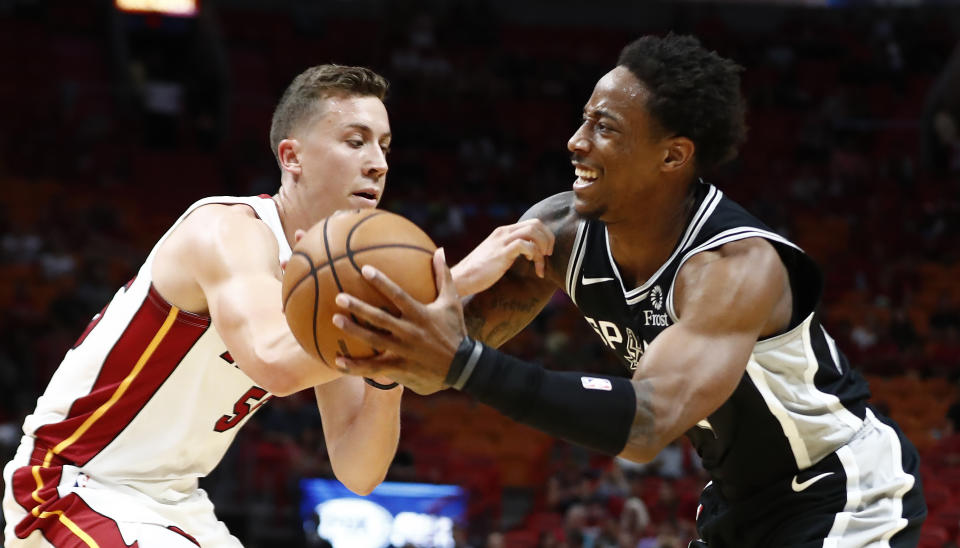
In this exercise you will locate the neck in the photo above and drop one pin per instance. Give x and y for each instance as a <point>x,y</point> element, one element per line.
<point>642,243</point>
<point>292,217</point>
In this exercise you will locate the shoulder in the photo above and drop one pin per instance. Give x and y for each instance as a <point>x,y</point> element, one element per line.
<point>733,257</point>
<point>221,212</point>
<point>213,224</point>
<point>558,214</point>
<point>223,235</point>
<point>742,281</point>
<point>206,247</point>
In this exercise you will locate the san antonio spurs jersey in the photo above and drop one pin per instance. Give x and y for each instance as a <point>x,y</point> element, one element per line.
<point>798,400</point>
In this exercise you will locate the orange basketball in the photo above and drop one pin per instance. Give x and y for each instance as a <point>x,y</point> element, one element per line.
<point>327,261</point>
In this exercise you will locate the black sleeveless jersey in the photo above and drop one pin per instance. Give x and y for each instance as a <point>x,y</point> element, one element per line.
<point>798,400</point>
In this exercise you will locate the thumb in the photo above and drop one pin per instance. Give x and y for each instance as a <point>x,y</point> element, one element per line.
<point>441,273</point>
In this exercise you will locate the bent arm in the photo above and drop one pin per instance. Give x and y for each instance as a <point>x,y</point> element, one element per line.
<point>233,257</point>
<point>725,299</point>
<point>361,425</point>
<point>497,314</point>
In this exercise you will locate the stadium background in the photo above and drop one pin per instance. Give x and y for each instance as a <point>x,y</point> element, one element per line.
<point>111,124</point>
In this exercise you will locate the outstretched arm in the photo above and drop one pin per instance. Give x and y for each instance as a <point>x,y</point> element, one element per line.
<point>496,315</point>
<point>726,299</point>
<point>423,342</point>
<point>223,259</point>
<point>231,258</point>
<point>530,238</point>
<point>361,425</point>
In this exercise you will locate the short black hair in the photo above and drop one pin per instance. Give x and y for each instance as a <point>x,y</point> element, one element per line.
<point>694,93</point>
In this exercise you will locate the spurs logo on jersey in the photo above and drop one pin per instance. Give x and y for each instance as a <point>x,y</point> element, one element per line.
<point>635,348</point>
<point>612,336</point>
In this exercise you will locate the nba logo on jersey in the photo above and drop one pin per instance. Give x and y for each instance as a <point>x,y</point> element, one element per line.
<point>593,383</point>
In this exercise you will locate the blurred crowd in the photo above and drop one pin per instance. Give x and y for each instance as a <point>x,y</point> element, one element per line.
<point>115,123</point>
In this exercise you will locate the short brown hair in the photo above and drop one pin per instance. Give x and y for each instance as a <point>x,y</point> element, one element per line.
<point>299,100</point>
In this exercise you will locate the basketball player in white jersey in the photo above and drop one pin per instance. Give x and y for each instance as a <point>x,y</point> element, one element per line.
<point>151,395</point>
<point>712,315</point>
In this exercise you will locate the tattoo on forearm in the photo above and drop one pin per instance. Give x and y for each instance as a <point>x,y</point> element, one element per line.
<point>474,324</point>
<point>643,430</point>
<point>501,333</point>
<point>519,312</point>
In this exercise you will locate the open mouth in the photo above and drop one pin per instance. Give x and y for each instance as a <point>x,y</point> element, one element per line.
<point>585,174</point>
<point>367,195</point>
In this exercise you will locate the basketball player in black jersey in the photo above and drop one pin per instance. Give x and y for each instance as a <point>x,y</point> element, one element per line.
<point>712,315</point>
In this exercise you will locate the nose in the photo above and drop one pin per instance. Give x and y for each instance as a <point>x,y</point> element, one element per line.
<point>578,142</point>
<point>376,166</point>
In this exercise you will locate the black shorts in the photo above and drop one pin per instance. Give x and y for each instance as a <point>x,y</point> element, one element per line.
<point>867,493</point>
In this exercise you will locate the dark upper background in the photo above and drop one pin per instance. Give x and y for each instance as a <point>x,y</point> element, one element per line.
<point>111,124</point>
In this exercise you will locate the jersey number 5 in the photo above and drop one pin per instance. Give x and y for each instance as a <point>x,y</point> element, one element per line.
<point>241,409</point>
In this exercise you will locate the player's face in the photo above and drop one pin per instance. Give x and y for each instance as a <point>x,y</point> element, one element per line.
<point>616,155</point>
<point>343,154</point>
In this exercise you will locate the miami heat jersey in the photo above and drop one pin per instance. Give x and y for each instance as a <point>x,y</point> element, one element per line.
<point>798,400</point>
<point>148,396</point>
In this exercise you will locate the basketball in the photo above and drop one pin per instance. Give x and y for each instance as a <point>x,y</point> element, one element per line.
<point>327,261</point>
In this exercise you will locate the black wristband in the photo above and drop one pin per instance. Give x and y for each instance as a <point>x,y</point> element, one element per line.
<point>464,360</point>
<point>596,411</point>
<point>375,384</point>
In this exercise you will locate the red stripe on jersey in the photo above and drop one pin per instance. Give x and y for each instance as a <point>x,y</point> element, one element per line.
<point>34,486</point>
<point>148,351</point>
<point>69,521</point>
<point>186,535</point>
<point>96,319</point>
<point>42,456</point>
<point>93,323</point>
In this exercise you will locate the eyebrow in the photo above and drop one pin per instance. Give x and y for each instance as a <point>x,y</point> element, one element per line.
<point>367,129</point>
<point>602,114</point>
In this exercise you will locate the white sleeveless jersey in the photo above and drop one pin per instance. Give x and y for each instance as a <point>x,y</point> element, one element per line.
<point>148,396</point>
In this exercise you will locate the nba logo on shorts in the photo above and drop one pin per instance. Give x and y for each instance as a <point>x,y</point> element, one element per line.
<point>81,481</point>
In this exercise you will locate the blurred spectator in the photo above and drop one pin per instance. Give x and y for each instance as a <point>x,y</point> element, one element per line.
<point>940,124</point>
<point>20,245</point>
<point>902,330</point>
<point>495,540</point>
<point>547,539</point>
<point>667,535</point>
<point>953,412</point>
<point>579,529</point>
<point>865,334</point>
<point>944,315</point>
<point>460,536</point>
<point>634,519</point>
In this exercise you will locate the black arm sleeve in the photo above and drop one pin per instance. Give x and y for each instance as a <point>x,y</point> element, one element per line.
<point>595,411</point>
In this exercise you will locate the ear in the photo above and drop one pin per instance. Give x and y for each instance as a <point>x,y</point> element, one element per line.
<point>288,151</point>
<point>678,153</point>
